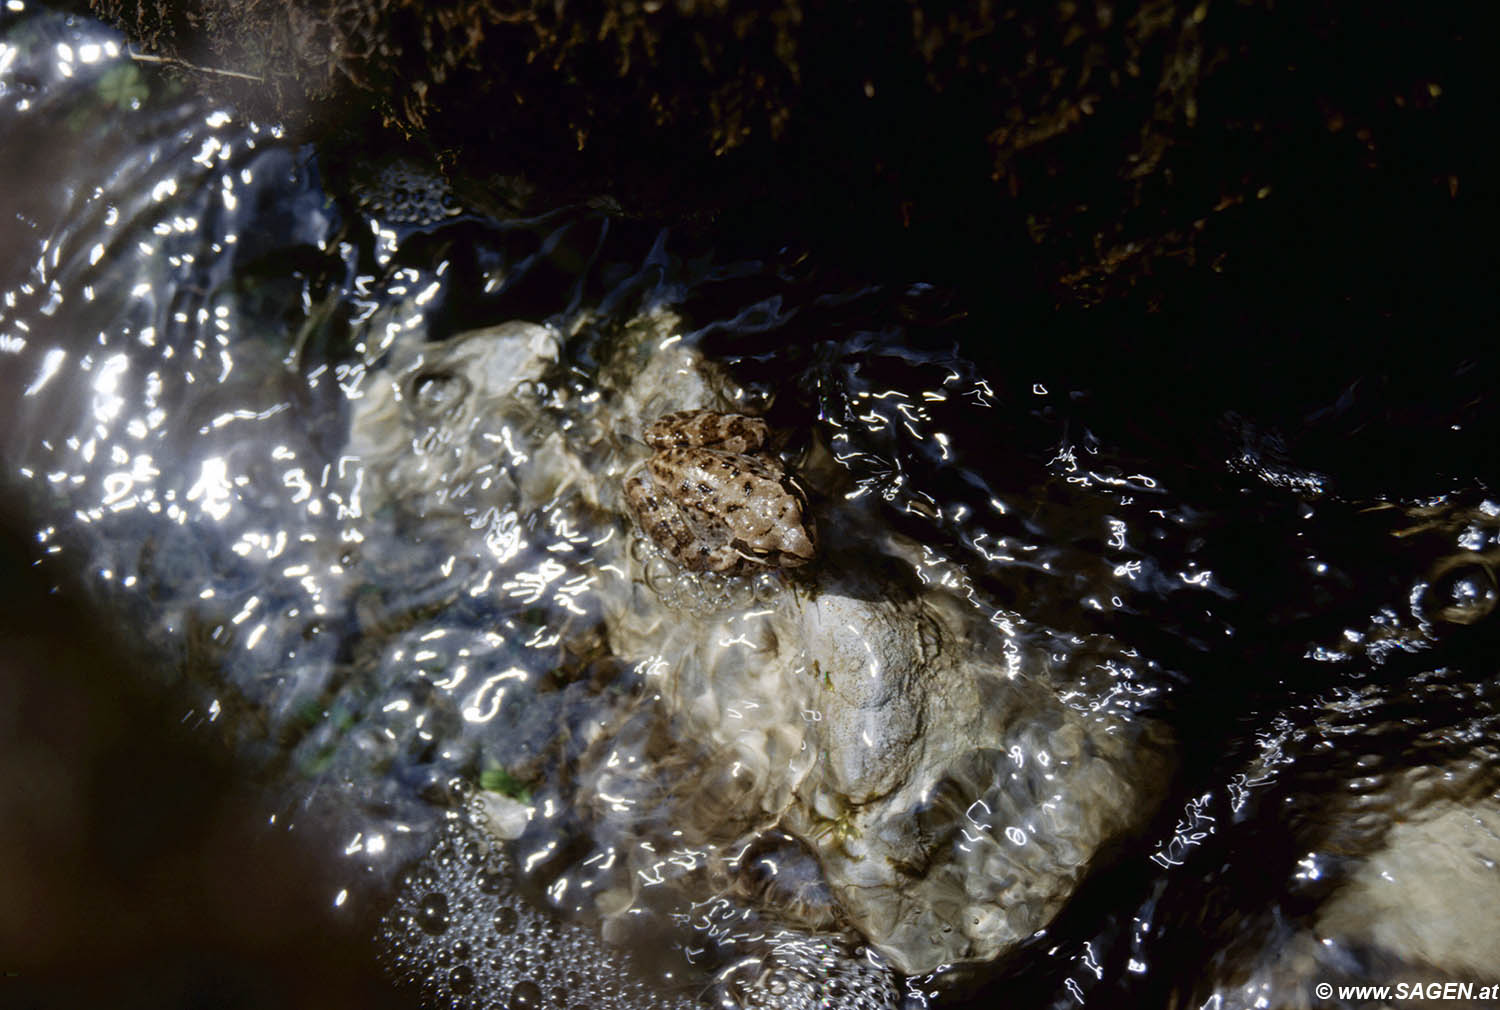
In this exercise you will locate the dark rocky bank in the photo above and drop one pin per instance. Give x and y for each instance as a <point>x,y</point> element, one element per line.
<point>1074,153</point>
<point>1284,210</point>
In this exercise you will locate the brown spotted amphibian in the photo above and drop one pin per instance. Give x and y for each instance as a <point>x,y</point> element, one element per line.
<point>714,501</point>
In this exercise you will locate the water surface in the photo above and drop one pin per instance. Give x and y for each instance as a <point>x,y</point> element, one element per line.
<point>192,317</point>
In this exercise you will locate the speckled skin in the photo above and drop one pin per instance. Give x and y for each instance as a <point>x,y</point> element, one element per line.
<point>713,501</point>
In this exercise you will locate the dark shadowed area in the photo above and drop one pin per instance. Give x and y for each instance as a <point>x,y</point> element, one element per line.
<point>1236,162</point>
<point>1239,203</point>
<point>140,870</point>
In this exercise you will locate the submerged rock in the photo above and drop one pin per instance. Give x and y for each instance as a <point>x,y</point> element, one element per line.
<point>954,804</point>
<point>1429,894</point>
<point>953,801</point>
<point>1360,845</point>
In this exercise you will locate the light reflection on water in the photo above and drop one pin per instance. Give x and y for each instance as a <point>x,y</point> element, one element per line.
<point>191,325</point>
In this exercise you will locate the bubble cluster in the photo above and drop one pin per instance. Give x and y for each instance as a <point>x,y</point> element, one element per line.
<point>401,193</point>
<point>802,972</point>
<point>683,591</point>
<point>462,936</point>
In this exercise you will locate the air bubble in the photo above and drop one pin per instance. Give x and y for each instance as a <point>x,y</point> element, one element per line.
<point>525,996</point>
<point>1462,591</point>
<point>432,913</point>
<point>461,980</point>
<point>506,920</point>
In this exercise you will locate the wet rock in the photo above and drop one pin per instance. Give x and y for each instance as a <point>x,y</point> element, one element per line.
<point>951,798</point>
<point>955,807</point>
<point>439,409</point>
<point>1361,847</point>
<point>1429,894</point>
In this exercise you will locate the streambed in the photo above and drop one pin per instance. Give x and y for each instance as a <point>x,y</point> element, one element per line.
<point>352,458</point>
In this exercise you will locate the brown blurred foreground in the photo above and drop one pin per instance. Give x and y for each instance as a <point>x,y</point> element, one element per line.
<point>135,871</point>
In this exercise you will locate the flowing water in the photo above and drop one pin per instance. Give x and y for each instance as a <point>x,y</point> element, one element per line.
<point>387,560</point>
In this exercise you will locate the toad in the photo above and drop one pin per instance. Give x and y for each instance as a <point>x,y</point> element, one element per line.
<point>713,500</point>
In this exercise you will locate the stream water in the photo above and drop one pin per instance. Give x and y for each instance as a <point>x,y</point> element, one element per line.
<point>195,329</point>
